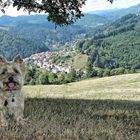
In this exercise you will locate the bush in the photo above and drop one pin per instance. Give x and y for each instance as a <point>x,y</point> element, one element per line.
<point>106,72</point>
<point>100,73</point>
<point>71,77</point>
<point>43,78</point>
<point>117,71</point>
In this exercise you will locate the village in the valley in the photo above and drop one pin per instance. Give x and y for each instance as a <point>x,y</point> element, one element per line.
<point>43,60</point>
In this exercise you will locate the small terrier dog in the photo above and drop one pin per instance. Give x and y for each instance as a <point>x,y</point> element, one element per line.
<point>11,81</point>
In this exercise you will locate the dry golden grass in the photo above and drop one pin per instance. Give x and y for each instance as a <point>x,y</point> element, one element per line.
<point>71,119</point>
<point>122,87</point>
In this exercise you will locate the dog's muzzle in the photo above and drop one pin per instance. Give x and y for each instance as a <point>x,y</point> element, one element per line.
<point>10,84</point>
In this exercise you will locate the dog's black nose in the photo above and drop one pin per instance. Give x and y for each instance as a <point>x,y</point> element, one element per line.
<point>11,79</point>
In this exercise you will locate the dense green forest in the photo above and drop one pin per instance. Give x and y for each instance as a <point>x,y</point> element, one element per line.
<point>37,76</point>
<point>116,45</point>
<point>10,45</point>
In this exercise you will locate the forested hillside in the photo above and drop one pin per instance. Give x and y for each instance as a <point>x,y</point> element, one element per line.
<point>32,34</point>
<point>114,46</point>
<point>11,44</point>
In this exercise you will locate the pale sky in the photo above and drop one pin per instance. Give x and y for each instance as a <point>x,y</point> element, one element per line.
<point>91,5</point>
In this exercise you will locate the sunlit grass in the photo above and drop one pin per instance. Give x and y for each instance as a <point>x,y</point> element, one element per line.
<point>123,87</point>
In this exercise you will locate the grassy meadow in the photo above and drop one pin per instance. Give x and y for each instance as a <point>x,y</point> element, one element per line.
<point>122,87</point>
<point>95,109</point>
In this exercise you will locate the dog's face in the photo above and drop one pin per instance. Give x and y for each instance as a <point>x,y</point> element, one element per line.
<point>12,74</point>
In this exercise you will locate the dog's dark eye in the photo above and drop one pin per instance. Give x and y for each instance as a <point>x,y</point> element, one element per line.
<point>16,71</point>
<point>4,71</point>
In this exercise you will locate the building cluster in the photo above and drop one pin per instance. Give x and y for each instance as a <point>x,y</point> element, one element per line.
<point>43,60</point>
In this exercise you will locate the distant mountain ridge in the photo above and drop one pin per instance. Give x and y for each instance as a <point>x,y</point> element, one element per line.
<point>32,19</point>
<point>114,14</point>
<point>92,20</point>
<point>89,20</point>
<point>34,34</point>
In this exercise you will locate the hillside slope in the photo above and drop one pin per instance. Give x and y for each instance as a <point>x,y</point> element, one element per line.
<point>33,34</point>
<point>122,87</point>
<point>92,20</point>
<point>115,45</point>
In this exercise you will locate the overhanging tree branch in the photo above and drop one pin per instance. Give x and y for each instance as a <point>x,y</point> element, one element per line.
<point>60,12</point>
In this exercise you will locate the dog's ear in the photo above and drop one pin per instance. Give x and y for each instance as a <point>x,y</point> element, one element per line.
<point>2,59</point>
<point>18,59</point>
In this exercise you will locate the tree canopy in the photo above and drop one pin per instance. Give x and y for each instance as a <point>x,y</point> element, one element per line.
<point>60,12</point>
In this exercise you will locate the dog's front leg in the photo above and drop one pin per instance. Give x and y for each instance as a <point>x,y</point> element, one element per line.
<point>19,117</point>
<point>3,121</point>
<point>3,109</point>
